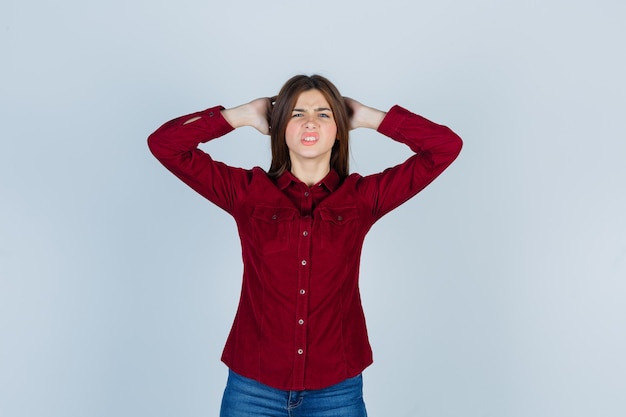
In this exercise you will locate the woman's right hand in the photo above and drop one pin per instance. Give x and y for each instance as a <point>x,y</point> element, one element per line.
<point>255,113</point>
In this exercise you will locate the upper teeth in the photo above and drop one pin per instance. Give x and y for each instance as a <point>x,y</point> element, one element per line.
<point>310,138</point>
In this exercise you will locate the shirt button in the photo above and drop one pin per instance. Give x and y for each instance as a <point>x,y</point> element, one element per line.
<point>274,217</point>
<point>300,322</point>
<point>302,292</point>
<point>305,233</point>
<point>306,193</point>
<point>340,218</point>
<point>300,351</point>
<point>304,262</point>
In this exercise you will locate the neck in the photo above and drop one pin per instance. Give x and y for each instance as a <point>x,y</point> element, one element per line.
<point>309,173</point>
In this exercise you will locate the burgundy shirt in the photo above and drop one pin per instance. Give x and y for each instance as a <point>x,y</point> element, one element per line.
<point>300,324</point>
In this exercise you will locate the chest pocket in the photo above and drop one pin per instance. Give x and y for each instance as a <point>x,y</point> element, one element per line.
<point>339,227</point>
<point>272,227</point>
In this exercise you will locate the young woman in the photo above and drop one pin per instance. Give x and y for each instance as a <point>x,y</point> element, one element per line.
<point>299,343</point>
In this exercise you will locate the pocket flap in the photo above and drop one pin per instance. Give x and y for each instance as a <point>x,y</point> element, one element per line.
<point>339,215</point>
<point>273,214</point>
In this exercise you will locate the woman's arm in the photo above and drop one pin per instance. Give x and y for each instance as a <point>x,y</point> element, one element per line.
<point>435,147</point>
<point>363,116</point>
<point>255,114</point>
<point>175,145</point>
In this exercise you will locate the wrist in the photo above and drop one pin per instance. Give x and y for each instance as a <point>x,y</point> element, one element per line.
<point>371,118</point>
<point>236,116</point>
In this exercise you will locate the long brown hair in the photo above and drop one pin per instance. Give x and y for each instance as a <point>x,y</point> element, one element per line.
<point>284,104</point>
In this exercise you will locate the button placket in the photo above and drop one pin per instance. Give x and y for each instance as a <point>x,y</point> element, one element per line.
<point>304,250</point>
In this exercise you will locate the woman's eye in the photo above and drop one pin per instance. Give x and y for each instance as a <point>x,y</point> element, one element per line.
<point>297,115</point>
<point>324,115</point>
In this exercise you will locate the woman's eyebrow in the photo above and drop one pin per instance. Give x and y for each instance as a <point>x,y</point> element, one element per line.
<point>318,109</point>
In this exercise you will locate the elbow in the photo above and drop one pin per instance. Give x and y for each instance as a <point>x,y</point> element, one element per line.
<point>456,143</point>
<point>151,142</point>
<point>155,144</point>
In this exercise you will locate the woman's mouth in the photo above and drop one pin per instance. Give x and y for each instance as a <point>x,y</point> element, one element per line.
<point>310,139</point>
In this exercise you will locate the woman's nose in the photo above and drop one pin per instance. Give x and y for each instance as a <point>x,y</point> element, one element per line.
<point>310,122</point>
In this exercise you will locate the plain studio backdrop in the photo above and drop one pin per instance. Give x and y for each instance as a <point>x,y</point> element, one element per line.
<point>498,291</point>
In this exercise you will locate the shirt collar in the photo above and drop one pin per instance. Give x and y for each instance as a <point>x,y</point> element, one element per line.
<point>330,181</point>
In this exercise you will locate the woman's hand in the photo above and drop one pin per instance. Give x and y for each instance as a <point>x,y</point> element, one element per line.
<point>363,116</point>
<point>255,113</point>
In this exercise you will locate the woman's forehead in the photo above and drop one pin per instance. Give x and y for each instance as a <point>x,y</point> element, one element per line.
<point>312,99</point>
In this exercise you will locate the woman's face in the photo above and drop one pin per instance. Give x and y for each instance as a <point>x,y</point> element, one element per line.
<point>311,130</point>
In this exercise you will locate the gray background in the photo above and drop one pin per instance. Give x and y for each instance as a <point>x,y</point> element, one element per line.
<point>498,291</point>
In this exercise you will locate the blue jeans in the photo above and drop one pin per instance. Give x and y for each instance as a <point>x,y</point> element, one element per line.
<point>244,397</point>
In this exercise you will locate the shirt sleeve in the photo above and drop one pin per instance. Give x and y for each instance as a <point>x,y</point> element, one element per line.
<point>175,145</point>
<point>435,147</point>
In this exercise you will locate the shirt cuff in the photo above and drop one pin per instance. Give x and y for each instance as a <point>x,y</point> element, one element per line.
<point>393,119</point>
<point>213,120</point>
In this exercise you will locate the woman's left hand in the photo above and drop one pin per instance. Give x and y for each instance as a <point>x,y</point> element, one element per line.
<point>362,115</point>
